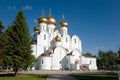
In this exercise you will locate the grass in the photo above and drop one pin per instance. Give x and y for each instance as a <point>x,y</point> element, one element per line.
<point>95,76</point>
<point>23,77</point>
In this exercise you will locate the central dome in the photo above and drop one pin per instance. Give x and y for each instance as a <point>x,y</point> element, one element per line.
<point>51,20</point>
<point>57,39</point>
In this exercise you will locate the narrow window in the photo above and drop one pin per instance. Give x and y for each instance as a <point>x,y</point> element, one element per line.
<point>75,41</point>
<point>42,61</point>
<point>44,37</point>
<point>90,62</point>
<point>60,62</point>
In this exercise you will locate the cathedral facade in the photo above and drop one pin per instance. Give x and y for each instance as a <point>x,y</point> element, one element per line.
<point>56,49</point>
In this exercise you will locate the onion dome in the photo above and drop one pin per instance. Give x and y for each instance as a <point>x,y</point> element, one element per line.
<point>36,28</point>
<point>51,20</point>
<point>63,24</point>
<point>57,39</point>
<point>42,19</point>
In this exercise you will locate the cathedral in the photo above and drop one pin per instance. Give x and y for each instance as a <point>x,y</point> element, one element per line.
<point>56,49</point>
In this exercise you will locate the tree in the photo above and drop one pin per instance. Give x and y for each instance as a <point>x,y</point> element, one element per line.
<point>1,28</point>
<point>89,55</point>
<point>106,59</point>
<point>18,47</point>
<point>118,57</point>
<point>1,43</point>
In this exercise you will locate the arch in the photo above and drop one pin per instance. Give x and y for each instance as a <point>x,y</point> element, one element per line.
<point>76,43</point>
<point>60,50</point>
<point>59,58</point>
<point>75,39</point>
<point>76,53</point>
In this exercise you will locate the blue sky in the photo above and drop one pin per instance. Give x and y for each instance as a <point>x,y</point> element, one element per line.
<point>96,22</point>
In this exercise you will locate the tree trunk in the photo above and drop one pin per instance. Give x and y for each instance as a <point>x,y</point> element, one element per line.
<point>16,71</point>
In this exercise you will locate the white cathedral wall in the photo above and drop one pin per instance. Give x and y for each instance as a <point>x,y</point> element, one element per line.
<point>42,43</point>
<point>51,28</point>
<point>89,62</point>
<point>43,27</point>
<point>66,41</point>
<point>71,63</point>
<point>76,43</point>
<point>76,54</point>
<point>40,50</point>
<point>45,62</point>
<point>42,39</point>
<point>58,58</point>
<point>34,50</point>
<point>64,30</point>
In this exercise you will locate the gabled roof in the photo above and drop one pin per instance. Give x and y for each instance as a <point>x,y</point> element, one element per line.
<point>45,54</point>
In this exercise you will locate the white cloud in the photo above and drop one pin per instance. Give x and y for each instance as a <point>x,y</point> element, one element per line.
<point>27,7</point>
<point>12,7</point>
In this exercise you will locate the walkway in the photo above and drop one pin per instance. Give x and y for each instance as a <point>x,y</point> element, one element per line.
<point>60,77</point>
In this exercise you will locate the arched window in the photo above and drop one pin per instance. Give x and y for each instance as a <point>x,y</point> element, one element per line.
<point>60,62</point>
<point>42,61</point>
<point>75,41</point>
<point>90,62</point>
<point>44,37</point>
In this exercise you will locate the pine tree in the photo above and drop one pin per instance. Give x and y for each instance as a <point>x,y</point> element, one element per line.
<point>19,45</point>
<point>1,43</point>
<point>1,28</point>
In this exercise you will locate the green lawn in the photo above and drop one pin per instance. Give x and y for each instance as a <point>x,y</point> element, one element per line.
<point>23,77</point>
<point>95,76</point>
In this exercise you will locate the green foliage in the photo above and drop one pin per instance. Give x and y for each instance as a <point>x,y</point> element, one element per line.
<point>18,44</point>
<point>2,38</point>
<point>89,55</point>
<point>118,53</point>
<point>118,57</point>
<point>1,26</point>
<point>106,59</point>
<point>23,77</point>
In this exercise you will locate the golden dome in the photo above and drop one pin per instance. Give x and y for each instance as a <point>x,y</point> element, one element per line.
<point>63,24</point>
<point>51,20</point>
<point>42,19</point>
<point>36,28</point>
<point>57,39</point>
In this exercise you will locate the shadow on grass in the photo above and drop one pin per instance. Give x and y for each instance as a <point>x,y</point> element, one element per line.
<point>39,75</point>
<point>95,76</point>
<point>34,75</point>
<point>7,75</point>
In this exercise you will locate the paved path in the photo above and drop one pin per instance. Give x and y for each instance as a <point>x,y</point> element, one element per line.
<point>60,77</point>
